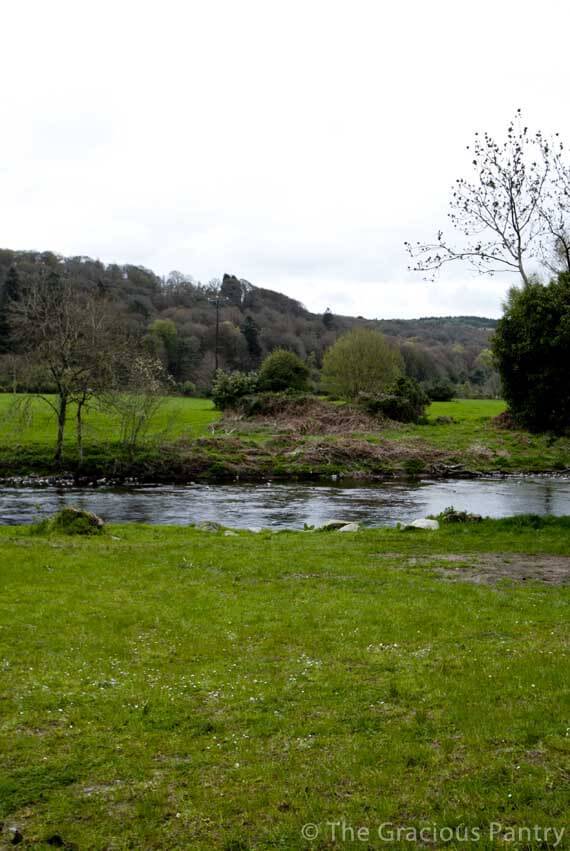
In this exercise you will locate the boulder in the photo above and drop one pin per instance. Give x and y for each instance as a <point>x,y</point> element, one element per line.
<point>209,526</point>
<point>230,534</point>
<point>333,525</point>
<point>350,527</point>
<point>424,523</point>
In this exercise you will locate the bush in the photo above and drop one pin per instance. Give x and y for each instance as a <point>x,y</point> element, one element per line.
<point>404,401</point>
<point>228,387</point>
<point>283,370</point>
<point>187,388</point>
<point>532,351</point>
<point>441,391</point>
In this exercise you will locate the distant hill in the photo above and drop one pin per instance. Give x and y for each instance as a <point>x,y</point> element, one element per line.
<point>252,321</point>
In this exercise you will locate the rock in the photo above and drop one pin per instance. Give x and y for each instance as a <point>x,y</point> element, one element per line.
<point>333,525</point>
<point>350,527</point>
<point>16,836</point>
<point>209,526</point>
<point>74,521</point>
<point>229,534</point>
<point>256,529</point>
<point>425,523</point>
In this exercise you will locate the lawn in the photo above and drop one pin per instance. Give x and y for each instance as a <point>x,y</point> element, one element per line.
<point>177,417</point>
<point>178,689</point>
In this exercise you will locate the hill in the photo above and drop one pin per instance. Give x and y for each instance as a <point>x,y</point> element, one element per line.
<point>232,323</point>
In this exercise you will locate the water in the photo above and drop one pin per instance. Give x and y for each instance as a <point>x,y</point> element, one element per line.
<point>289,505</point>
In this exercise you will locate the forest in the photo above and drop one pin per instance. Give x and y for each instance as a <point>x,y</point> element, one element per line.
<point>228,323</point>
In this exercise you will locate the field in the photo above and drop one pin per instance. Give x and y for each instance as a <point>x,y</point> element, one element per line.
<point>187,440</point>
<point>178,689</point>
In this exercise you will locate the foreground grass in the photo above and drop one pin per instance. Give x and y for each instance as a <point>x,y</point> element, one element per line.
<point>166,688</point>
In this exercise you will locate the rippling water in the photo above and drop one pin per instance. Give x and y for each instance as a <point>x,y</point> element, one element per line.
<point>291,505</point>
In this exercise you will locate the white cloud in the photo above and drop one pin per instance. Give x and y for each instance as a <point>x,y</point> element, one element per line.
<point>296,144</point>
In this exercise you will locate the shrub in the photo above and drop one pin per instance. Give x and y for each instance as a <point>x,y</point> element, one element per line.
<point>187,388</point>
<point>404,401</point>
<point>440,391</point>
<point>282,370</point>
<point>228,387</point>
<point>532,351</point>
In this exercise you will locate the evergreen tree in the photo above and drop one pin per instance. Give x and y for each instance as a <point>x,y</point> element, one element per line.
<point>250,331</point>
<point>11,293</point>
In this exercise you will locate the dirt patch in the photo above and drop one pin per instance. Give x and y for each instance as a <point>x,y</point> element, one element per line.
<point>490,568</point>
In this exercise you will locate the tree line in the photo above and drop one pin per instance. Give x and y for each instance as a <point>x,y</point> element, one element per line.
<point>194,328</point>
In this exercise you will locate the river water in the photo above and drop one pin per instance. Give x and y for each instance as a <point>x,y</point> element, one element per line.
<point>290,505</point>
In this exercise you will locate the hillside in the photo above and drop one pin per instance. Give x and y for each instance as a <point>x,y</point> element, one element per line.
<point>191,325</point>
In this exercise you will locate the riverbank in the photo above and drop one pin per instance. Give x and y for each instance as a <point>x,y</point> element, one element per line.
<point>171,687</point>
<point>188,442</point>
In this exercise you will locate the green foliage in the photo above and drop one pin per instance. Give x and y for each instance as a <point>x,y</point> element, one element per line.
<point>404,401</point>
<point>453,515</point>
<point>440,391</point>
<point>228,387</point>
<point>532,351</point>
<point>187,388</point>
<point>283,370</point>
<point>362,361</point>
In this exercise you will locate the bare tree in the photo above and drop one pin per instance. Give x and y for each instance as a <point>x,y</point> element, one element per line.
<point>499,213</point>
<point>66,332</point>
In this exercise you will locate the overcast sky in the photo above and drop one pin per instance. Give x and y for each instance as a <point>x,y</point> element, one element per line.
<point>295,144</point>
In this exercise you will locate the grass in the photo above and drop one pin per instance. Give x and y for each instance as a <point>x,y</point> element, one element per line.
<point>177,417</point>
<point>166,688</point>
<point>460,433</point>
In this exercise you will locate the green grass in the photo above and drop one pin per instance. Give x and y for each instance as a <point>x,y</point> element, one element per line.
<point>177,417</point>
<point>176,689</point>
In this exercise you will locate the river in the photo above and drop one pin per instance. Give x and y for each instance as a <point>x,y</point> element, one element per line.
<point>290,505</point>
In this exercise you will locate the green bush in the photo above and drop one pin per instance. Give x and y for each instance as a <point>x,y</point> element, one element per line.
<point>228,387</point>
<point>187,388</point>
<point>441,391</point>
<point>532,350</point>
<point>404,401</point>
<point>283,370</point>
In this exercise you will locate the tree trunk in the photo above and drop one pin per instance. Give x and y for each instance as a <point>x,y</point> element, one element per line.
<point>79,429</point>
<point>61,416</point>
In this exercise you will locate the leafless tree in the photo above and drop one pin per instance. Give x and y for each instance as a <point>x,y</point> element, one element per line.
<point>499,215</point>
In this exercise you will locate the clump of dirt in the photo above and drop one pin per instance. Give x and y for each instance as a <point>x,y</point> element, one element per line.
<point>305,415</point>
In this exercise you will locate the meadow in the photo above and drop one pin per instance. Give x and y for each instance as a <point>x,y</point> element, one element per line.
<point>180,689</point>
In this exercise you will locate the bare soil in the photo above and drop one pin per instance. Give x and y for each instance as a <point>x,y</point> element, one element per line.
<point>490,568</point>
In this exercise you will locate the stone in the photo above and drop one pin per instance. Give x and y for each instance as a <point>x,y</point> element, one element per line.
<point>333,525</point>
<point>350,527</point>
<point>425,523</point>
<point>255,529</point>
<point>229,534</point>
<point>209,526</point>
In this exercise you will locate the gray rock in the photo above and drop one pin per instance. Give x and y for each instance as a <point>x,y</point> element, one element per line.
<point>255,529</point>
<point>350,527</point>
<point>209,526</point>
<point>424,523</point>
<point>333,525</point>
<point>229,534</point>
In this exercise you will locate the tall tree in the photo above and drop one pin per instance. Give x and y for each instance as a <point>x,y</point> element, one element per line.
<point>10,295</point>
<point>250,331</point>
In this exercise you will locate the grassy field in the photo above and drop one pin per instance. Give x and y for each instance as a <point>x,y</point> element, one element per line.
<point>181,446</point>
<point>177,689</point>
<point>178,417</point>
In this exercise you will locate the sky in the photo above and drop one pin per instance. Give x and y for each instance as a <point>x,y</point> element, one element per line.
<point>294,143</point>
